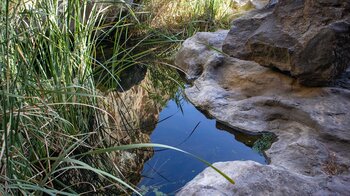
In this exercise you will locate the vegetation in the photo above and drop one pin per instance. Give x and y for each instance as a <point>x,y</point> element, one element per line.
<point>187,17</point>
<point>264,142</point>
<point>52,60</point>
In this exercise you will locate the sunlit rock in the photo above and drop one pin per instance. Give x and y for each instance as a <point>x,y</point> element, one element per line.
<point>94,12</point>
<point>193,67</point>
<point>311,124</point>
<point>253,179</point>
<point>258,4</point>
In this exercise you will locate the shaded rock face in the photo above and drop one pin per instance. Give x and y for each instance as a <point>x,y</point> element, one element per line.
<point>309,39</point>
<point>311,124</point>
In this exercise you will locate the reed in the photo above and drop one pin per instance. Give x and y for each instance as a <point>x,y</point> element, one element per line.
<point>50,68</point>
<point>50,104</point>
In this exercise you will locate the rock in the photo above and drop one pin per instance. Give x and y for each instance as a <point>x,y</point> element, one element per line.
<point>110,10</point>
<point>107,12</point>
<point>253,179</point>
<point>191,47</point>
<point>258,4</point>
<point>309,39</point>
<point>311,122</point>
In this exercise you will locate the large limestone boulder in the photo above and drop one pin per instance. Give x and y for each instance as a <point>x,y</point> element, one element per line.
<point>311,123</point>
<point>308,39</point>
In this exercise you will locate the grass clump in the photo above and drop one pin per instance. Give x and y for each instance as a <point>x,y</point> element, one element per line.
<point>52,117</point>
<point>184,18</point>
<point>50,104</point>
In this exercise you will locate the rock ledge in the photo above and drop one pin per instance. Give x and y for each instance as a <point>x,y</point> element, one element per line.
<point>312,153</point>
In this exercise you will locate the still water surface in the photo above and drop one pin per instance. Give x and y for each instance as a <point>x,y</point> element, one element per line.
<point>140,105</point>
<point>167,171</point>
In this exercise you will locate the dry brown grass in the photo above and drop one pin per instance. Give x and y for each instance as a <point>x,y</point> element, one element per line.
<point>332,167</point>
<point>177,14</point>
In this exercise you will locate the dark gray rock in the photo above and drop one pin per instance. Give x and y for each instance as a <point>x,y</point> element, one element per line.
<point>309,39</point>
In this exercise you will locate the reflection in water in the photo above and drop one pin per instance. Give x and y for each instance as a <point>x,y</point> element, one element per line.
<point>247,139</point>
<point>167,171</point>
<point>134,114</point>
<point>131,116</point>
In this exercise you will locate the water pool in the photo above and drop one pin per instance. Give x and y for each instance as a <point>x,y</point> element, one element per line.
<point>190,130</point>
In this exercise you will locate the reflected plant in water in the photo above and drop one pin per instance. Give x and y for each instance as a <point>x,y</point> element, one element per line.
<point>167,81</point>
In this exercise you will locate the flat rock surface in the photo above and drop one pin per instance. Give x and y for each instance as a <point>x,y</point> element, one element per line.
<point>312,124</point>
<point>264,182</point>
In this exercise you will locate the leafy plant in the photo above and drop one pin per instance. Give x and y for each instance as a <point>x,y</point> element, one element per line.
<point>264,142</point>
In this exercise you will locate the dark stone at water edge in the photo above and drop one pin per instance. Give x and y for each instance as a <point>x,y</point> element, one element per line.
<point>309,39</point>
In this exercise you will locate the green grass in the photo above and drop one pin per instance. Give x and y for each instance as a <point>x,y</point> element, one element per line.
<point>50,104</point>
<point>52,115</point>
<point>264,142</point>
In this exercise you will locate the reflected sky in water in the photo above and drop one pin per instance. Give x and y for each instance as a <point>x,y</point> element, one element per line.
<point>167,171</point>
